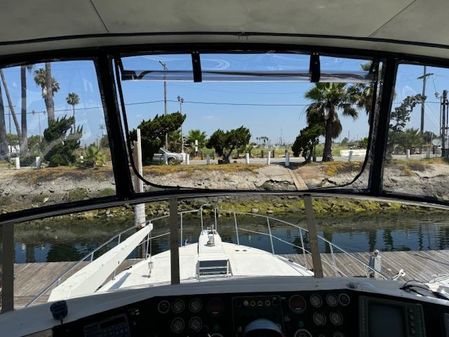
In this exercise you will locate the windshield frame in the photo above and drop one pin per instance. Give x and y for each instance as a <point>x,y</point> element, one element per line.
<point>103,58</point>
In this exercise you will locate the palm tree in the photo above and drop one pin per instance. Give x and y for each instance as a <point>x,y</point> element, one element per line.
<point>73,99</point>
<point>49,87</point>
<point>3,139</point>
<point>23,106</point>
<point>363,93</point>
<point>328,99</point>
<point>197,135</point>
<point>10,103</point>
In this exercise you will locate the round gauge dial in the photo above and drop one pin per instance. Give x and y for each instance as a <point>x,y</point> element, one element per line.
<point>195,305</point>
<point>196,324</point>
<point>177,325</point>
<point>163,307</point>
<point>297,304</point>
<point>302,333</point>
<point>316,301</point>
<point>178,306</point>
<point>344,299</point>
<point>331,300</point>
<point>215,307</point>
<point>319,318</point>
<point>336,318</point>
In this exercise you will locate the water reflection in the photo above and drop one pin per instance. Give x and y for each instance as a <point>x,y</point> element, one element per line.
<point>354,235</point>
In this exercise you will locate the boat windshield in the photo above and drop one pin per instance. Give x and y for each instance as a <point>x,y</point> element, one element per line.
<point>249,121</point>
<point>190,167</point>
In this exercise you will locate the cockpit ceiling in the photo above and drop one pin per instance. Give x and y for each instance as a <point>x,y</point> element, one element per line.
<point>100,22</point>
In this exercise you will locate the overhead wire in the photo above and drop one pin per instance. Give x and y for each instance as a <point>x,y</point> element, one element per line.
<point>175,101</point>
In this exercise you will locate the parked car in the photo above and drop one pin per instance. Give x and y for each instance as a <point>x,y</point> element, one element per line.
<point>172,157</point>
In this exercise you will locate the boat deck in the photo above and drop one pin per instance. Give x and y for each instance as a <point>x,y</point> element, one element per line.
<point>32,278</point>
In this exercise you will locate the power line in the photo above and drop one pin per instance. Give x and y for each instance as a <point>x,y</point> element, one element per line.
<point>185,102</point>
<point>246,104</point>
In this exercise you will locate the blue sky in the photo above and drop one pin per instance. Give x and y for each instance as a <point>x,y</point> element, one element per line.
<point>284,118</point>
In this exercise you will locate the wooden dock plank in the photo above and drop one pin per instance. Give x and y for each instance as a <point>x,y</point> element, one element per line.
<point>32,278</point>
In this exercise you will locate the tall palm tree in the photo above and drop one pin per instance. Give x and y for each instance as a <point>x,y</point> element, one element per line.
<point>73,99</point>
<point>49,87</point>
<point>328,99</point>
<point>363,93</point>
<point>10,103</point>
<point>23,106</point>
<point>3,138</point>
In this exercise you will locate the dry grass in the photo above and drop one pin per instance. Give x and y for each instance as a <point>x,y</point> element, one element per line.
<point>53,173</point>
<point>226,168</point>
<point>334,168</point>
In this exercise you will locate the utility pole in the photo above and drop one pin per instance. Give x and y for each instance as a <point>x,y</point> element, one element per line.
<point>181,102</point>
<point>423,93</point>
<point>444,121</point>
<point>164,66</point>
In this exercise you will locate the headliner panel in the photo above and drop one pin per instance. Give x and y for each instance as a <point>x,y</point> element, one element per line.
<point>22,20</point>
<point>345,17</point>
<point>421,21</point>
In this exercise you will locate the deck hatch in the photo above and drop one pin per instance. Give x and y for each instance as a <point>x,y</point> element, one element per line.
<point>213,267</point>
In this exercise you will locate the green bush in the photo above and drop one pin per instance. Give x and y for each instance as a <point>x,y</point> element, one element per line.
<point>94,157</point>
<point>61,142</point>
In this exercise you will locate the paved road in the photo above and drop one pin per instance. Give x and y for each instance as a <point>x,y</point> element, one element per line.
<point>278,160</point>
<point>281,160</point>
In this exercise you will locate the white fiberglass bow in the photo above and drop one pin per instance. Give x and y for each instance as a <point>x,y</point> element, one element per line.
<point>87,280</point>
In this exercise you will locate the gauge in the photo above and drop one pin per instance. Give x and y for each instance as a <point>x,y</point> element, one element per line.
<point>338,334</point>
<point>297,304</point>
<point>177,325</point>
<point>331,300</point>
<point>163,307</point>
<point>195,305</point>
<point>196,324</point>
<point>178,306</point>
<point>344,299</point>
<point>319,318</point>
<point>215,307</point>
<point>316,301</point>
<point>336,318</point>
<point>302,333</point>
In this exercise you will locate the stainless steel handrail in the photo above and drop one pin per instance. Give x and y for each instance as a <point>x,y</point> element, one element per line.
<point>319,236</point>
<point>117,237</point>
<point>148,239</point>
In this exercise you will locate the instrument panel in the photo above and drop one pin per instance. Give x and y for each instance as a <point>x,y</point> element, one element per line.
<point>339,313</point>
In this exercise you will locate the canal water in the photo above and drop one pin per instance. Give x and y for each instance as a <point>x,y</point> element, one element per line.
<point>70,240</point>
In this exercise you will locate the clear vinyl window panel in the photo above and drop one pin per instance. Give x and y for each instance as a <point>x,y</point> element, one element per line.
<point>48,252</point>
<point>418,144</point>
<point>254,122</point>
<point>53,140</point>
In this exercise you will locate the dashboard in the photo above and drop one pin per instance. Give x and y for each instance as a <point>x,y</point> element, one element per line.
<point>336,313</point>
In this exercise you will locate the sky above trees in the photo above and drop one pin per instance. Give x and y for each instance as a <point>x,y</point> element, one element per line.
<point>272,109</point>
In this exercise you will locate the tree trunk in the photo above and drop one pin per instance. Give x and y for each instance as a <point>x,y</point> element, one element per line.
<point>49,103</point>
<point>3,140</point>
<point>327,151</point>
<point>24,134</point>
<point>10,104</point>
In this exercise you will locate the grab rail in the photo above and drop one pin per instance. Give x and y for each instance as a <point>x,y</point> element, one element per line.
<point>146,244</point>
<point>118,237</point>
